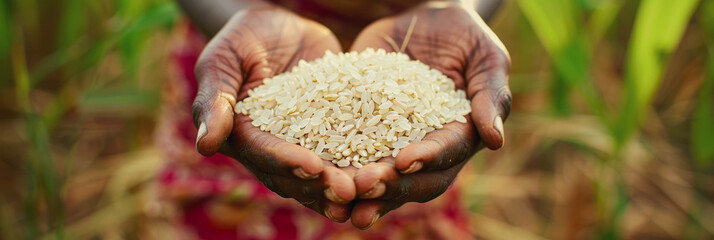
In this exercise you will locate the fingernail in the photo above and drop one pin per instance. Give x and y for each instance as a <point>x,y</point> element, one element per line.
<point>498,125</point>
<point>375,192</point>
<point>416,166</point>
<point>201,132</point>
<point>299,172</point>
<point>332,196</point>
<point>328,214</point>
<point>374,220</point>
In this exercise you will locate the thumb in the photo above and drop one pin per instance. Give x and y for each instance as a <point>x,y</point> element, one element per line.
<point>490,96</point>
<point>213,107</point>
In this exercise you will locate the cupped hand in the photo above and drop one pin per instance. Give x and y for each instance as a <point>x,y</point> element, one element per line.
<point>256,43</point>
<point>453,39</point>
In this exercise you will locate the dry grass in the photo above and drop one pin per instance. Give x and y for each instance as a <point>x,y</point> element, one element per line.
<point>561,174</point>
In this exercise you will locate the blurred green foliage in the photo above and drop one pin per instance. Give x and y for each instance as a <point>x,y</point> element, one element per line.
<point>703,130</point>
<point>88,57</point>
<point>659,25</point>
<point>657,31</point>
<point>658,28</point>
<point>86,35</point>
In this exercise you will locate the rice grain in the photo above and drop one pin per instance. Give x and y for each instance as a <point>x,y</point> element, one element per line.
<point>355,108</point>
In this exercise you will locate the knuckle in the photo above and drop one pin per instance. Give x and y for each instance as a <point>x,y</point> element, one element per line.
<point>476,87</point>
<point>501,57</point>
<point>503,100</point>
<point>200,104</point>
<point>464,151</point>
<point>460,150</point>
<point>306,190</point>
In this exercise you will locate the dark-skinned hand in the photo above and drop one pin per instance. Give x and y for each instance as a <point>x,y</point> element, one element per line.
<point>455,40</point>
<point>259,42</point>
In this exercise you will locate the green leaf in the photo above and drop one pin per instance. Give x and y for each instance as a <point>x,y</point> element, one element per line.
<point>573,64</point>
<point>132,38</point>
<point>554,22</point>
<point>28,14</point>
<point>39,137</point>
<point>40,167</point>
<point>703,124</point>
<point>5,39</point>
<point>72,23</point>
<point>604,14</point>
<point>658,28</point>
<point>560,96</point>
<point>549,20</point>
<point>119,100</point>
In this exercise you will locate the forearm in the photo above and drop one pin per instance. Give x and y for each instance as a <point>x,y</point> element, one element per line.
<point>466,3</point>
<point>211,15</point>
<point>485,8</point>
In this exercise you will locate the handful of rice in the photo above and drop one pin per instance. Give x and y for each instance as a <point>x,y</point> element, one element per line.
<point>355,108</point>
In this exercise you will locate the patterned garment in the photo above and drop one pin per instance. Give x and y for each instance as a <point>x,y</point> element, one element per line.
<point>220,199</point>
<point>346,18</point>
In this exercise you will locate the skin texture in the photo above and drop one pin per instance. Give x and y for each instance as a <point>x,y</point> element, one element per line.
<point>453,39</point>
<point>263,40</point>
<point>256,43</point>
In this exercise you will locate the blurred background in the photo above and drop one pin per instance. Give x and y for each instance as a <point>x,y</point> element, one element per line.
<point>611,135</point>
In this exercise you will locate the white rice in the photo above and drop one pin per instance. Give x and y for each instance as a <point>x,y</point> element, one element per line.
<point>355,108</point>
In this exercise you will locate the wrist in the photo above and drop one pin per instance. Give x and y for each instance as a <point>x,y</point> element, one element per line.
<point>468,4</point>
<point>211,15</point>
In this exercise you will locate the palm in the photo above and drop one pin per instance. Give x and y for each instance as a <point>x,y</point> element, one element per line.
<point>263,43</point>
<point>455,41</point>
<point>255,44</point>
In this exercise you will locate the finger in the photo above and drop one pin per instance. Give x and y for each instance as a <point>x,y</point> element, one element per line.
<point>212,109</point>
<point>309,193</point>
<point>366,214</point>
<point>213,114</point>
<point>375,36</point>
<point>333,211</point>
<point>372,179</point>
<point>270,154</point>
<point>440,149</point>
<point>381,181</point>
<point>489,93</point>
<point>316,44</point>
<point>339,185</point>
<point>334,185</point>
<point>337,212</point>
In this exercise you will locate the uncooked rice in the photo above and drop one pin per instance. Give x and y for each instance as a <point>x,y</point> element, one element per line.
<point>355,108</point>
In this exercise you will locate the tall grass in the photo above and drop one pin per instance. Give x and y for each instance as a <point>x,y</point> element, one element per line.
<point>659,25</point>
<point>658,28</point>
<point>703,129</point>
<point>74,62</point>
<point>657,31</point>
<point>87,34</point>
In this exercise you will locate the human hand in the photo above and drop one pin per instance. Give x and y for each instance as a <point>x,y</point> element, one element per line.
<point>257,43</point>
<point>453,39</point>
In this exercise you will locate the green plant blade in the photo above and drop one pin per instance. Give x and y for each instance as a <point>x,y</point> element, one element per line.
<point>553,21</point>
<point>703,123</point>
<point>556,25</point>
<point>659,26</point>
